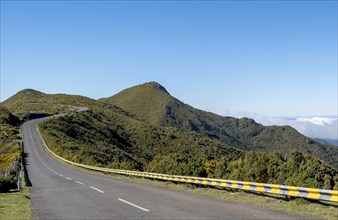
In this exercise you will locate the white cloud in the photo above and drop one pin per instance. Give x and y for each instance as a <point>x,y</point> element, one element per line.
<point>324,127</point>
<point>321,121</point>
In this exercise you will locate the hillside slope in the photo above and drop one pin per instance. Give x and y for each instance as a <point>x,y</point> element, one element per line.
<point>30,101</point>
<point>111,139</point>
<point>153,103</point>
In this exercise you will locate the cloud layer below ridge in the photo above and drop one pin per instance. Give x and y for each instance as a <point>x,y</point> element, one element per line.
<point>323,127</point>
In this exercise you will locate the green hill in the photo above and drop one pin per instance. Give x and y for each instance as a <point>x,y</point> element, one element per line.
<point>111,139</point>
<point>31,101</point>
<point>152,103</point>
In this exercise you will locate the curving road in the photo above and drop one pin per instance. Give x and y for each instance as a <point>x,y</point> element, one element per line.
<point>60,192</point>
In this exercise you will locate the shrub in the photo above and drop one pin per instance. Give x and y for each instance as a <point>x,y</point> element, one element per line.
<point>7,183</point>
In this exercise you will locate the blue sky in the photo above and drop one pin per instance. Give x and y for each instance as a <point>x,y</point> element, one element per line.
<point>276,58</point>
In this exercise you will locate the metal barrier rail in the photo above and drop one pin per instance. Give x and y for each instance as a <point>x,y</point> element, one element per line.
<point>17,167</point>
<point>293,191</point>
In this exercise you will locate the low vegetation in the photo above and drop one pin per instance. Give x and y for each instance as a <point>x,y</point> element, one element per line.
<point>297,170</point>
<point>115,140</point>
<point>15,205</point>
<point>10,139</point>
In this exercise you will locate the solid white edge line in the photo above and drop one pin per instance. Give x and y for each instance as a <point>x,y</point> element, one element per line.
<point>136,206</point>
<point>79,182</point>
<point>96,189</point>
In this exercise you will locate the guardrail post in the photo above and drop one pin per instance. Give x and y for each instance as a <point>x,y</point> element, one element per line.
<point>19,183</point>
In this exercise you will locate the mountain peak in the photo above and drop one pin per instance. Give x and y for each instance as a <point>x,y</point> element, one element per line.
<point>30,92</point>
<point>155,85</point>
<point>146,100</point>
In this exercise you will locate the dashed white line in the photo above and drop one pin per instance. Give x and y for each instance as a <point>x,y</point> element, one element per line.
<point>30,134</point>
<point>68,178</point>
<point>96,189</point>
<point>136,206</point>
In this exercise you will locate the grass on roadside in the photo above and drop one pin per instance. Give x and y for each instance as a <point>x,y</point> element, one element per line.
<point>15,205</point>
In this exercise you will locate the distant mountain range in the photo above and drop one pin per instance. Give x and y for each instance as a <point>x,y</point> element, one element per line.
<point>333,142</point>
<point>145,128</point>
<point>316,127</point>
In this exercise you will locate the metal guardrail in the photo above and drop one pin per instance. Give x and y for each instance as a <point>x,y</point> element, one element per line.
<point>292,191</point>
<point>17,167</point>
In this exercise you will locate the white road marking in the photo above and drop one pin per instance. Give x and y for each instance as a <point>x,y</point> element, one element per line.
<point>30,134</point>
<point>136,206</point>
<point>92,187</point>
<point>96,189</point>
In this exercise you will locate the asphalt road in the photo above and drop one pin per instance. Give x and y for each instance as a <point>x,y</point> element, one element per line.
<point>61,192</point>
